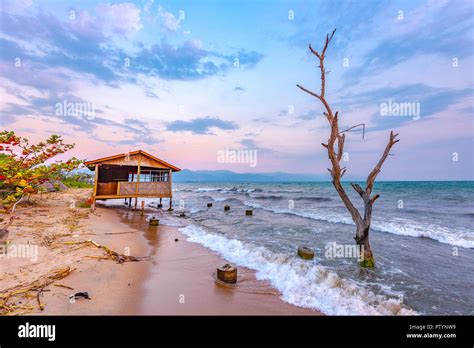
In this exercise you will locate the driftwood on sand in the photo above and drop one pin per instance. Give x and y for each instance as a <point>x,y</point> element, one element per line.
<point>17,300</point>
<point>119,258</point>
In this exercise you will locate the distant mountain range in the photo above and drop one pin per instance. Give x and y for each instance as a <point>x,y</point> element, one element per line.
<point>187,175</point>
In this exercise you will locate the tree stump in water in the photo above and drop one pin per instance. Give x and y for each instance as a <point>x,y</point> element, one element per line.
<point>305,253</point>
<point>154,222</point>
<point>227,273</point>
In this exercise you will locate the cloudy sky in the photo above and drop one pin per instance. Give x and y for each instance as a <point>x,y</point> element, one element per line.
<point>186,79</point>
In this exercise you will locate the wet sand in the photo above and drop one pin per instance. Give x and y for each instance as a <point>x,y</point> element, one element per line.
<point>181,281</point>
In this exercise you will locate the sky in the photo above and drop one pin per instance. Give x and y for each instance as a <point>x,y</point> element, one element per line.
<point>187,80</point>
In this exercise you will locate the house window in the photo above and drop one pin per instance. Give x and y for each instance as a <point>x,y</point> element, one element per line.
<point>150,176</point>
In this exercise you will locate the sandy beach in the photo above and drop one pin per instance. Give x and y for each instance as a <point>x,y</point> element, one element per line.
<point>174,278</point>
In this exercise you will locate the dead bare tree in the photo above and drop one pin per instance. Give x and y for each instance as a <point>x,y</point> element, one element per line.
<point>335,156</point>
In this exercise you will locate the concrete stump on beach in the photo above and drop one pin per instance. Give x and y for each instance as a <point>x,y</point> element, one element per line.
<point>305,253</point>
<point>154,221</point>
<point>209,205</point>
<point>249,212</point>
<point>227,274</point>
<point>226,208</point>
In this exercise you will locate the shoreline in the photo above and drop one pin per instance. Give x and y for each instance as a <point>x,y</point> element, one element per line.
<point>176,278</point>
<point>181,278</point>
<point>182,281</point>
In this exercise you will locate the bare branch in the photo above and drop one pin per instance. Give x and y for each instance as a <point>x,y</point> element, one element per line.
<point>374,198</point>
<point>357,125</point>
<point>340,146</point>
<point>314,52</point>
<point>358,189</point>
<point>308,91</point>
<point>378,167</point>
<point>12,214</point>
<point>328,40</point>
<point>336,172</point>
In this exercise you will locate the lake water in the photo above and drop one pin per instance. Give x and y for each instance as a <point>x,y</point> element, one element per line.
<point>422,237</point>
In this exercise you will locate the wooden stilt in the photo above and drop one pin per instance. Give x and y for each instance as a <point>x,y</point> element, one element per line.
<point>143,207</point>
<point>136,202</point>
<point>171,204</point>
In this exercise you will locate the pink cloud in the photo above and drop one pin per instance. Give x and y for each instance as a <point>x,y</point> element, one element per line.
<point>123,19</point>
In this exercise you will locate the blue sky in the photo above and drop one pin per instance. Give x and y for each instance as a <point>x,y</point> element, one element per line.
<point>186,79</point>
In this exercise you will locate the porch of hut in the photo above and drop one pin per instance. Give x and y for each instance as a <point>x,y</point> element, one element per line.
<point>132,175</point>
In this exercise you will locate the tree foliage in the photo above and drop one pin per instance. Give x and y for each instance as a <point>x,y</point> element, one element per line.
<point>23,166</point>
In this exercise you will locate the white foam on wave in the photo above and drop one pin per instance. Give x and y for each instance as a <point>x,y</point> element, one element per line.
<point>226,189</point>
<point>219,199</point>
<point>301,283</point>
<point>209,189</point>
<point>405,227</point>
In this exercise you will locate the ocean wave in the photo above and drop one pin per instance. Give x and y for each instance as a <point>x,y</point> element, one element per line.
<point>210,189</point>
<point>245,190</point>
<point>178,189</point>
<point>301,283</point>
<point>460,238</point>
<point>219,199</point>
<point>467,214</point>
<point>301,198</point>
<point>286,191</point>
<point>314,198</point>
<point>274,197</point>
<point>227,189</point>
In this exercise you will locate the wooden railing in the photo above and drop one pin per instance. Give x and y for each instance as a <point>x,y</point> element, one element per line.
<point>144,188</point>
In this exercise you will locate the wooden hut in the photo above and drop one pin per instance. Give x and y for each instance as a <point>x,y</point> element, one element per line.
<point>132,175</point>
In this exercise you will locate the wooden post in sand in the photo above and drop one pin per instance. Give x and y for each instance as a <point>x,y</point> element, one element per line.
<point>171,193</point>
<point>138,182</point>
<point>96,183</point>
<point>143,208</point>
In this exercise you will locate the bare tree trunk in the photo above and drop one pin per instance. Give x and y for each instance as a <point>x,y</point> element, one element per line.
<point>335,148</point>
